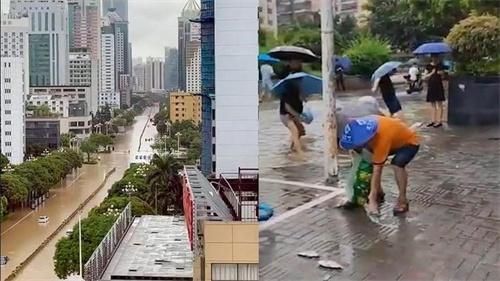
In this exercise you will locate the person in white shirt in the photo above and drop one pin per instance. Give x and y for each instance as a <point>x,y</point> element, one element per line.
<point>413,72</point>
<point>267,73</point>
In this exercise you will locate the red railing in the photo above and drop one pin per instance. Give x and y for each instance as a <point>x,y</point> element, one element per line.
<point>189,209</point>
<point>240,192</point>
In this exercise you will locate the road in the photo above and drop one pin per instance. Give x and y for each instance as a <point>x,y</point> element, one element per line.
<point>21,234</point>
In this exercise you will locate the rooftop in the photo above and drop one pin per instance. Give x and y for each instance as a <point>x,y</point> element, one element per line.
<point>154,248</point>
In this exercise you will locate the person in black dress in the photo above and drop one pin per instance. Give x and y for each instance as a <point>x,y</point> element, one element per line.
<point>386,87</point>
<point>291,106</point>
<point>434,73</point>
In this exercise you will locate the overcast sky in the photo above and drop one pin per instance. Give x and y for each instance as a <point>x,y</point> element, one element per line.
<point>152,25</point>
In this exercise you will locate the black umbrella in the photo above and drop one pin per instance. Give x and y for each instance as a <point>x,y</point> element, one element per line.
<point>293,53</point>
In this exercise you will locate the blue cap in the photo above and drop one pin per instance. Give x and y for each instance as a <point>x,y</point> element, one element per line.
<point>358,132</point>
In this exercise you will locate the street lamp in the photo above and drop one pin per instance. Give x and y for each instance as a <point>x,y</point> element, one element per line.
<point>178,135</point>
<point>129,189</point>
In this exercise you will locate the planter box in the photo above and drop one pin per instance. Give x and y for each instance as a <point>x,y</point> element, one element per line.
<point>474,100</point>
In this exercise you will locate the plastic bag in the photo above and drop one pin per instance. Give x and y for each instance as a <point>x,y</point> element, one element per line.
<point>358,184</point>
<point>307,115</point>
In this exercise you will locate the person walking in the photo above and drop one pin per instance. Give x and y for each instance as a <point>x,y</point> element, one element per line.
<point>383,136</point>
<point>339,77</point>
<point>267,73</point>
<point>291,107</point>
<point>386,87</point>
<point>434,73</point>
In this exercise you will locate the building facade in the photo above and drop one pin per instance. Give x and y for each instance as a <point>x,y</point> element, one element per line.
<point>84,71</point>
<point>48,40</point>
<point>171,69</point>
<point>14,82</point>
<point>43,131</point>
<point>154,75</point>
<point>139,71</point>
<point>184,106</point>
<point>235,85</point>
<point>121,7</point>
<point>268,20</point>
<point>193,72</point>
<point>107,92</point>
<point>189,39</point>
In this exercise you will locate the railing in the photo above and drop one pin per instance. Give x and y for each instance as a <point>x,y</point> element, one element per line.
<point>241,194</point>
<point>229,195</point>
<point>97,263</point>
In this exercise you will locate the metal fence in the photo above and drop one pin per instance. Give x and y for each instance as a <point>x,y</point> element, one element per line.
<point>96,265</point>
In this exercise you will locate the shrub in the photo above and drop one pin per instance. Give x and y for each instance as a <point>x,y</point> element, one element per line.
<point>367,53</point>
<point>474,41</point>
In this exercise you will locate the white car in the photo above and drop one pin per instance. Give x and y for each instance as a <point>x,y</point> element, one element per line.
<point>43,219</point>
<point>69,232</point>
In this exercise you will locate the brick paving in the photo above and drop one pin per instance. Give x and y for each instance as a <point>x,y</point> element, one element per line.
<point>452,231</point>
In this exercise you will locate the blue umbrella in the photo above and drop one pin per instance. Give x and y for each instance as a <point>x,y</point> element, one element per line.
<point>385,68</point>
<point>343,62</point>
<point>432,48</point>
<point>267,59</point>
<point>358,132</point>
<point>309,84</point>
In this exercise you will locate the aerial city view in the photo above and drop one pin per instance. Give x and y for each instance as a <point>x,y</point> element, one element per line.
<point>244,140</point>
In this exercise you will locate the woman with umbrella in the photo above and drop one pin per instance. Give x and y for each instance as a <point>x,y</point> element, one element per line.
<point>382,78</point>
<point>434,73</point>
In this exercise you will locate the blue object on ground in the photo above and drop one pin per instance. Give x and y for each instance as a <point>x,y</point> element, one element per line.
<point>385,69</point>
<point>265,58</point>
<point>358,132</point>
<point>265,212</point>
<point>432,48</point>
<point>309,84</point>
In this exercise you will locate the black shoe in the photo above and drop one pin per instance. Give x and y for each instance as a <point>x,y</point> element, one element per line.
<point>437,125</point>
<point>432,124</point>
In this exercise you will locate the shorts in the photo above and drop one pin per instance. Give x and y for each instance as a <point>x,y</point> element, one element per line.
<point>404,155</point>
<point>286,117</point>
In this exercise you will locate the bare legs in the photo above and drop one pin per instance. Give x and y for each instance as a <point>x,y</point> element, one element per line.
<point>437,113</point>
<point>402,180</point>
<point>296,144</point>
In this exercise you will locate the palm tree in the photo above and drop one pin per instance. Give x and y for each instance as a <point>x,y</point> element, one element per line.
<point>165,184</point>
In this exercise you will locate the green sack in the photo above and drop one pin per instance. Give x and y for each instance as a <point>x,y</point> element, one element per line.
<point>358,185</point>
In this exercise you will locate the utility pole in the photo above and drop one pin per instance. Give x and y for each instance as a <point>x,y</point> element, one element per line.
<point>80,241</point>
<point>328,73</point>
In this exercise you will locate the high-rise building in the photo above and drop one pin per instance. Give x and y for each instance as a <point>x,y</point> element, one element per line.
<point>234,85</point>
<point>139,71</point>
<point>14,82</point>
<point>107,92</point>
<point>154,75</point>
<point>121,7</point>
<point>184,106</point>
<point>171,68</point>
<point>84,26</point>
<point>289,12</point>
<point>188,41</point>
<point>48,40</point>
<point>84,71</point>
<point>120,29</point>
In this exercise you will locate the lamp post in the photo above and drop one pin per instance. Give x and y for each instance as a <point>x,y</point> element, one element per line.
<point>80,242</point>
<point>330,126</point>
<point>129,189</point>
<point>178,135</point>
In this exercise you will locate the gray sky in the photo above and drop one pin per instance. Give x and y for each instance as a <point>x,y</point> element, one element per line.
<point>152,25</point>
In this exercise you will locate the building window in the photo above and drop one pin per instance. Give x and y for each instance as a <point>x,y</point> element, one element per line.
<point>8,122</point>
<point>7,101</point>
<point>81,124</point>
<point>8,112</point>
<point>8,154</point>
<point>7,80</point>
<point>8,133</point>
<point>8,143</point>
<point>234,272</point>
<point>73,124</point>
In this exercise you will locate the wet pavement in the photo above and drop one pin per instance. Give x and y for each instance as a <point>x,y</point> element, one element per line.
<point>21,234</point>
<point>452,231</point>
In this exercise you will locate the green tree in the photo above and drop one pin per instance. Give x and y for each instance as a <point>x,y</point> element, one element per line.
<point>139,206</point>
<point>367,53</point>
<point>13,187</point>
<point>3,161</point>
<point>89,148</point>
<point>66,138</point>
<point>165,184</point>
<point>3,207</point>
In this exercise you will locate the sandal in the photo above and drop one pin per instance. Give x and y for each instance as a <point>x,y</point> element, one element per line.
<point>437,125</point>
<point>401,209</point>
<point>372,213</point>
<point>432,124</point>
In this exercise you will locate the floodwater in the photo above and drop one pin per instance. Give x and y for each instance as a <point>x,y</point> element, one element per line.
<point>21,234</point>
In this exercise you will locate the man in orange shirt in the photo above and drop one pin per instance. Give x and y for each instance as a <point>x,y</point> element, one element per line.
<point>383,136</point>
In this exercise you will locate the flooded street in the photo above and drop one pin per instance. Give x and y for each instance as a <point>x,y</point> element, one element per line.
<point>21,234</point>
